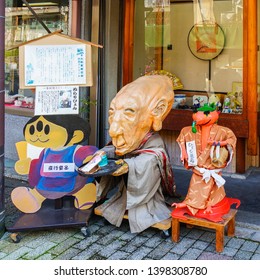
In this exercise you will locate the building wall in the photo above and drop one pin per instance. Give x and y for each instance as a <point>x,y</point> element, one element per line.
<point>13,133</point>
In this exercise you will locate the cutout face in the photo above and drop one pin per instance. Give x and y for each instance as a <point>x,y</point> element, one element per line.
<point>43,133</point>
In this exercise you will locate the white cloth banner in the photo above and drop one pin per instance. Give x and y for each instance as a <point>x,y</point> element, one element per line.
<point>203,11</point>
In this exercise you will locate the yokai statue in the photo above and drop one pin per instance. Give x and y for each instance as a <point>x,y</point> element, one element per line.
<point>53,173</point>
<point>206,148</point>
<point>135,116</point>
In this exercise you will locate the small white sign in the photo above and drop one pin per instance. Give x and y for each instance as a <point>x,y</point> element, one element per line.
<point>58,167</point>
<point>192,153</point>
<point>56,100</point>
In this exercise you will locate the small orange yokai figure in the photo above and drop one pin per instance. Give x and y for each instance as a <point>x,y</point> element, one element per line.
<point>53,172</point>
<point>207,148</point>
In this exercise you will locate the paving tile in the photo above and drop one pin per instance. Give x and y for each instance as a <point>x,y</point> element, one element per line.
<point>2,255</point>
<point>160,251</point>
<point>255,257</point>
<point>236,242</point>
<point>127,236</point>
<point>139,240</point>
<point>171,256</point>
<point>195,233</point>
<point>64,245</point>
<point>4,243</point>
<point>208,236</point>
<point>182,246</point>
<point>107,239</point>
<point>112,248</point>
<point>153,241</point>
<point>68,254</point>
<point>86,242</point>
<point>229,251</point>
<point>119,255</point>
<point>89,252</point>
<point>129,247</point>
<point>249,246</point>
<point>140,253</point>
<point>46,256</point>
<point>258,249</point>
<point>243,255</point>
<point>256,236</point>
<point>191,254</point>
<point>202,245</point>
<point>37,252</point>
<point>12,247</point>
<point>17,254</point>
<point>213,256</point>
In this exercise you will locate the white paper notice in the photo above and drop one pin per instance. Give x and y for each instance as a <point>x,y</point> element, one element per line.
<point>192,153</point>
<point>55,65</point>
<point>54,100</point>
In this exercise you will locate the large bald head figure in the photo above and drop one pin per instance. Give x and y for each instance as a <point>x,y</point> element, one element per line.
<point>139,107</point>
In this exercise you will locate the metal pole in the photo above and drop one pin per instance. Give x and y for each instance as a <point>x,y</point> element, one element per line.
<point>2,91</point>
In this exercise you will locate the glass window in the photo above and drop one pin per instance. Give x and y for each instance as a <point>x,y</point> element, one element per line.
<point>199,44</point>
<point>21,26</point>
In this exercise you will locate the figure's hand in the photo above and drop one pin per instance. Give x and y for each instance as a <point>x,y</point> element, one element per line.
<point>215,143</point>
<point>184,155</point>
<point>122,169</point>
<point>22,166</point>
<point>208,210</point>
<point>179,205</point>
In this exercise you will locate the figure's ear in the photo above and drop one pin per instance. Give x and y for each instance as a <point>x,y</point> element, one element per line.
<point>77,137</point>
<point>158,113</point>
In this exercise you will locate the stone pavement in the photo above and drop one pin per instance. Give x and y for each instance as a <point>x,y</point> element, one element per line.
<point>107,242</point>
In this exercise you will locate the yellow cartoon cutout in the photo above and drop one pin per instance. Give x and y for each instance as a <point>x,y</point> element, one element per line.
<point>50,156</point>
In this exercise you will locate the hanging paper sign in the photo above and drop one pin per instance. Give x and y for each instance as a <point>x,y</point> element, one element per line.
<point>54,65</point>
<point>54,100</point>
<point>192,153</point>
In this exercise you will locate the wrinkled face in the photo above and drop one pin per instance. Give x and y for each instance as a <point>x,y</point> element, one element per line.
<point>130,120</point>
<point>45,134</point>
<point>205,118</point>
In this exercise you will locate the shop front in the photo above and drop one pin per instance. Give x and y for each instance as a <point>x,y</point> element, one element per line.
<point>211,51</point>
<point>207,50</point>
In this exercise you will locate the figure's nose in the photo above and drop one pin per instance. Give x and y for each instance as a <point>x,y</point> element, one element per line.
<point>115,129</point>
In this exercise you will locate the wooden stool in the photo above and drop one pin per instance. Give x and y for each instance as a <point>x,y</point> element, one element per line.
<point>229,220</point>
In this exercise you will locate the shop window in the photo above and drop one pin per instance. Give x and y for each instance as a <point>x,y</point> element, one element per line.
<point>199,44</point>
<point>21,25</point>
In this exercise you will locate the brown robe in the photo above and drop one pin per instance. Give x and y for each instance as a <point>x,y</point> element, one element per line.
<point>141,194</point>
<point>202,194</point>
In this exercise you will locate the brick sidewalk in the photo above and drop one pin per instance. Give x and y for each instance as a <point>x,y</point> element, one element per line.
<point>107,242</point>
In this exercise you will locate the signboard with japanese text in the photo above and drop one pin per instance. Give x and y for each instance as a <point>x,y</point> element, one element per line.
<point>55,65</point>
<point>55,60</point>
<point>56,100</point>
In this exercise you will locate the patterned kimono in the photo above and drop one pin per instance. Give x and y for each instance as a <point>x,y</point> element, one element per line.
<point>206,186</point>
<point>140,192</point>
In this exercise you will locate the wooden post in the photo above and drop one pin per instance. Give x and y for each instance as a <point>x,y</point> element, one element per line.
<point>128,47</point>
<point>2,113</point>
<point>250,71</point>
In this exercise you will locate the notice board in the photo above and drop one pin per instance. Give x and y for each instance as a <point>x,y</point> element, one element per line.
<point>55,60</point>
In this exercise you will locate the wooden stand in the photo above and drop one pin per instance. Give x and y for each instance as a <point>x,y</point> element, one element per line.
<point>57,213</point>
<point>164,225</point>
<point>229,220</point>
